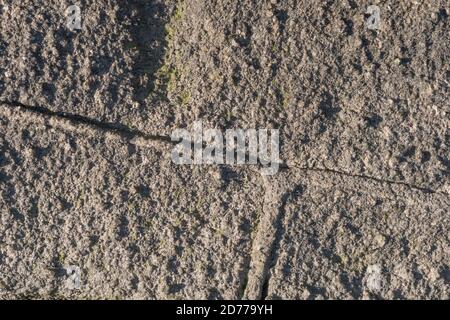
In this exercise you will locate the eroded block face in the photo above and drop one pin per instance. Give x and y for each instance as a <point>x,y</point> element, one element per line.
<point>343,95</point>
<point>93,206</point>
<point>104,68</point>
<point>349,238</point>
<point>136,225</point>
<point>368,101</point>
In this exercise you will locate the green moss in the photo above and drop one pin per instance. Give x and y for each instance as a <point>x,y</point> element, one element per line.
<point>148,224</point>
<point>167,75</point>
<point>229,115</point>
<point>281,94</point>
<point>179,12</point>
<point>177,194</point>
<point>185,98</point>
<point>171,80</point>
<point>274,48</point>
<point>61,258</point>
<point>170,32</point>
<point>132,208</point>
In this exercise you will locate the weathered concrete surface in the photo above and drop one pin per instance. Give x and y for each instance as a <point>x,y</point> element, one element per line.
<point>360,210</point>
<point>344,97</point>
<point>137,225</point>
<point>330,236</point>
<point>104,71</point>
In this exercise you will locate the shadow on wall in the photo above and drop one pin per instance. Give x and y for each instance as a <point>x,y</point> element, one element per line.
<point>148,33</point>
<point>67,69</point>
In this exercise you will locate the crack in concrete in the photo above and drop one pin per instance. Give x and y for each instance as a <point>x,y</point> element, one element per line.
<point>275,247</point>
<point>269,234</point>
<point>131,133</point>
<point>366,177</point>
<point>117,128</point>
<point>269,229</point>
<point>262,245</point>
<point>247,277</point>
